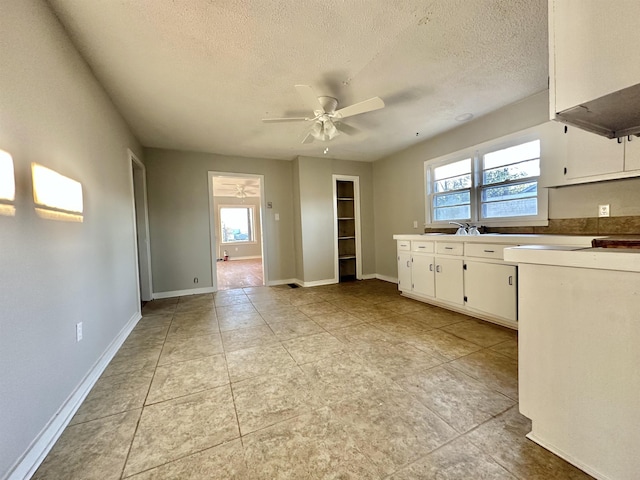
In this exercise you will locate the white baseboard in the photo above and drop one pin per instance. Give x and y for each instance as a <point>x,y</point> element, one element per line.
<point>286,281</point>
<point>368,276</point>
<point>386,278</point>
<point>27,465</point>
<point>569,458</point>
<point>182,293</point>
<point>231,259</point>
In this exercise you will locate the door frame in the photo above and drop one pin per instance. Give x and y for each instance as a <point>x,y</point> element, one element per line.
<point>140,210</point>
<point>356,193</point>
<point>213,234</point>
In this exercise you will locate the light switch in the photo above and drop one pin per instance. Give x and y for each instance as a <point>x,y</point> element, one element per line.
<point>603,210</point>
<point>277,217</point>
<point>415,224</point>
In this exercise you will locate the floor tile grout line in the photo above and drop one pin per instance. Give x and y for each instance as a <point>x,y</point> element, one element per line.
<point>135,432</point>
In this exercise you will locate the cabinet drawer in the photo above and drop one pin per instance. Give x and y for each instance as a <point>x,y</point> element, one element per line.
<point>450,248</point>
<point>404,245</point>
<point>424,247</point>
<point>485,250</point>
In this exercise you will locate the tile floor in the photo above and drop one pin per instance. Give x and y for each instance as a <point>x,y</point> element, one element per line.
<point>348,381</point>
<point>239,273</point>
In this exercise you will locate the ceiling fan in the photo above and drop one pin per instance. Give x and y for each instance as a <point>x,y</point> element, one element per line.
<point>326,125</point>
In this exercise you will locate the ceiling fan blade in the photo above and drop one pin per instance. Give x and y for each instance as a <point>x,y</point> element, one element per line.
<point>286,119</point>
<point>308,138</point>
<point>310,98</point>
<point>374,103</point>
<point>346,129</point>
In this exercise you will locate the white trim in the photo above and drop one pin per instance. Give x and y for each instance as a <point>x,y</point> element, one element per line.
<point>387,278</point>
<point>368,276</point>
<point>317,283</point>
<point>356,207</point>
<point>250,257</point>
<point>27,465</point>
<point>146,276</point>
<point>475,152</point>
<point>569,458</point>
<point>213,240</point>
<point>285,281</point>
<point>182,293</point>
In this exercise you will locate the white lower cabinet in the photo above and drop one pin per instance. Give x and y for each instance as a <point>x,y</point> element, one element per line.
<point>404,270</point>
<point>449,280</point>
<point>492,288</point>
<point>422,275</point>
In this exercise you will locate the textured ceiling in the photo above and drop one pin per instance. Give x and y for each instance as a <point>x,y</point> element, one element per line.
<point>201,74</point>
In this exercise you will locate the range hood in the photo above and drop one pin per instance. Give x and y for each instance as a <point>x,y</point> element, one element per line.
<point>614,115</point>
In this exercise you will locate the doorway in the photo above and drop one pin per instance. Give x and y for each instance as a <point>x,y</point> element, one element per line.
<point>236,204</point>
<point>141,228</point>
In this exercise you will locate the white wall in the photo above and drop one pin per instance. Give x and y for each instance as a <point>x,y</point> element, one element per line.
<point>54,274</point>
<point>178,192</point>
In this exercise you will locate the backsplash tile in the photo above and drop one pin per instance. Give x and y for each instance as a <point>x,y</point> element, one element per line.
<point>629,225</point>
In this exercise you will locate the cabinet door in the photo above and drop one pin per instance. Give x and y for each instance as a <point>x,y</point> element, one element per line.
<point>404,271</point>
<point>449,287</point>
<point>591,51</point>
<point>632,153</point>
<point>422,275</point>
<point>589,154</point>
<point>491,288</point>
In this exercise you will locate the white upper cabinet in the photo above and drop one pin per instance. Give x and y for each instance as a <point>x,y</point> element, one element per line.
<point>593,50</point>
<point>632,154</point>
<point>589,154</point>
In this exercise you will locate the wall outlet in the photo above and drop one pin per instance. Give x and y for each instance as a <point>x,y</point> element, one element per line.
<point>415,224</point>
<point>78,331</point>
<point>195,280</point>
<point>603,210</point>
<point>277,217</point>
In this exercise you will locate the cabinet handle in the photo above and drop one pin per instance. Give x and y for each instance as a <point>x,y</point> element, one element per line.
<point>421,246</point>
<point>431,267</point>
<point>489,251</point>
<point>628,138</point>
<point>448,248</point>
<point>619,139</point>
<point>510,279</point>
<point>438,268</point>
<point>408,263</point>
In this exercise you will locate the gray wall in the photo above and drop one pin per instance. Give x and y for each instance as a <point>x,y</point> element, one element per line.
<point>400,191</point>
<point>54,274</point>
<point>239,250</point>
<point>314,185</point>
<point>178,192</point>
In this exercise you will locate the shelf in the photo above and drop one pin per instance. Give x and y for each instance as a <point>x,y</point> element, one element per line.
<point>347,238</point>
<point>346,257</point>
<point>346,218</point>
<point>345,199</point>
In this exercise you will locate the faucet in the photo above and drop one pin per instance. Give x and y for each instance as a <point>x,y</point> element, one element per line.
<point>462,230</point>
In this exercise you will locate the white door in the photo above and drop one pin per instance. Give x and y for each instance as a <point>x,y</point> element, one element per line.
<point>423,275</point>
<point>449,286</point>
<point>491,288</point>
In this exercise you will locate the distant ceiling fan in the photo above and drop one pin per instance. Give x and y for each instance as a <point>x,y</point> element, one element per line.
<point>326,118</point>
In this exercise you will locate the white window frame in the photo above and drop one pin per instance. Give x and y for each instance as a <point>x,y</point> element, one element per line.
<point>252,227</point>
<point>476,154</point>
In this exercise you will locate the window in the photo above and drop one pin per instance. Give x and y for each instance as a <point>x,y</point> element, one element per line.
<point>493,185</point>
<point>236,224</point>
<point>452,191</point>
<point>509,185</point>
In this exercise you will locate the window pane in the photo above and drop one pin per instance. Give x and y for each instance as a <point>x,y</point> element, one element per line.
<point>454,183</point>
<point>236,224</point>
<point>510,208</point>
<point>530,168</point>
<point>461,212</point>
<point>509,192</point>
<point>452,169</point>
<point>517,153</point>
<point>450,199</point>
